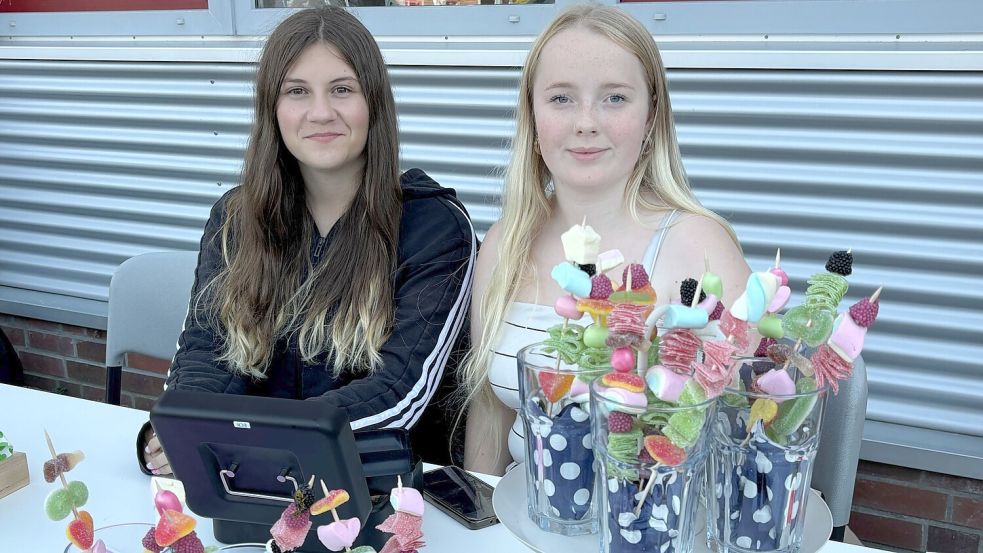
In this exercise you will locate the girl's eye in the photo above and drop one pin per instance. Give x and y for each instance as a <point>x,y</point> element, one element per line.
<point>560,99</point>
<point>295,91</point>
<point>617,98</point>
<point>342,90</point>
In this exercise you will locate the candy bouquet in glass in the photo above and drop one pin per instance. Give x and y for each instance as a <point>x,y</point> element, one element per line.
<point>765,435</point>
<point>651,417</point>
<point>554,376</point>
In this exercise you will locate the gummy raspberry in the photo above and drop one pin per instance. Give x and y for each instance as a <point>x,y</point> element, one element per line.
<point>188,544</point>
<point>762,350</point>
<point>645,457</point>
<point>619,423</point>
<point>150,542</point>
<point>863,312</point>
<point>717,311</point>
<point>588,268</point>
<point>841,263</point>
<point>639,278</point>
<point>779,353</point>
<point>304,497</point>
<point>294,518</point>
<point>601,287</point>
<point>687,289</point>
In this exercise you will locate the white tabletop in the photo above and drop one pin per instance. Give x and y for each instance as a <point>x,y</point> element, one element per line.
<point>119,492</point>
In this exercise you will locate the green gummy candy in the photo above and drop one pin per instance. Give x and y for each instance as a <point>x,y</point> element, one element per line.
<point>797,325</point>
<point>734,400</point>
<point>684,427</point>
<point>594,359</point>
<point>78,492</point>
<point>58,504</point>
<point>624,446</point>
<point>712,284</point>
<point>363,549</point>
<point>792,413</point>
<point>692,394</point>
<point>826,290</point>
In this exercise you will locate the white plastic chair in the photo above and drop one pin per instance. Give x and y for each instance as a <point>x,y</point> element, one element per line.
<point>148,300</point>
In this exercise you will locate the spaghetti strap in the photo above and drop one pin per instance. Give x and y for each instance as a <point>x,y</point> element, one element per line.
<point>655,246</point>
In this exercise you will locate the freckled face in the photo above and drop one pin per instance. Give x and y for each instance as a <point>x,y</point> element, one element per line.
<point>322,113</point>
<point>592,106</point>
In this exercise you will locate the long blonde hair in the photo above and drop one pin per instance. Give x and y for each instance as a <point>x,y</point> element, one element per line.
<point>657,181</point>
<point>268,289</point>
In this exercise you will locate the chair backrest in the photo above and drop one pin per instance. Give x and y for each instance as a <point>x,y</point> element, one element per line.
<point>835,468</point>
<point>148,301</point>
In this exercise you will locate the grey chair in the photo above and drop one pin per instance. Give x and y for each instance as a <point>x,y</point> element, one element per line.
<point>148,301</point>
<point>835,468</point>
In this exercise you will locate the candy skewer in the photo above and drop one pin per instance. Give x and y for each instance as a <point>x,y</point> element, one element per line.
<point>54,456</point>
<point>334,512</point>
<point>877,294</point>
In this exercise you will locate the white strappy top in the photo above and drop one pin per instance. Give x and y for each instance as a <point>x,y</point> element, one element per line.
<point>526,323</point>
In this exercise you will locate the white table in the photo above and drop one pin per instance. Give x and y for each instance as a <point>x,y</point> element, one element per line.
<point>119,492</point>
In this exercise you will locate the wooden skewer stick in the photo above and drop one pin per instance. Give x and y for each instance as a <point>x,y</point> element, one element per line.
<point>696,294</point>
<point>647,489</point>
<point>778,258</point>
<point>706,262</point>
<point>876,295</point>
<point>61,475</point>
<point>310,482</point>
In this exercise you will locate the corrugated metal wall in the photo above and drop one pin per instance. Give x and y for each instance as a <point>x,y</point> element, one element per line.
<point>101,161</point>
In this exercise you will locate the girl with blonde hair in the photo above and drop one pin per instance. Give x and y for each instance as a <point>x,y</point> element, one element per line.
<point>594,138</point>
<point>326,274</point>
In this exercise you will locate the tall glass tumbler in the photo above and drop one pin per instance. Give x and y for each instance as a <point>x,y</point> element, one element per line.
<point>762,448</point>
<point>649,502</point>
<point>559,456</point>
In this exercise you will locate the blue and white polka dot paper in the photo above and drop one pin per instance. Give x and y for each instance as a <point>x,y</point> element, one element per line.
<point>656,528</point>
<point>564,452</point>
<point>763,494</point>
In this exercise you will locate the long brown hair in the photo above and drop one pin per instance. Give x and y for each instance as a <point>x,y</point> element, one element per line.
<point>268,287</point>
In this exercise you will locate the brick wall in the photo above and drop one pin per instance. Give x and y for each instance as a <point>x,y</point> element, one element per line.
<point>70,359</point>
<point>905,509</point>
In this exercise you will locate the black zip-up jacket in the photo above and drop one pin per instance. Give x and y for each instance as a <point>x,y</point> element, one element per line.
<point>431,291</point>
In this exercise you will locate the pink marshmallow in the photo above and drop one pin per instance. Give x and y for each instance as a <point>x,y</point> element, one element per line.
<point>709,303</point>
<point>566,307</point>
<point>407,500</point>
<point>579,391</point>
<point>780,299</point>
<point>777,382</point>
<point>619,399</point>
<point>339,535</point>
<point>665,383</point>
<point>847,338</point>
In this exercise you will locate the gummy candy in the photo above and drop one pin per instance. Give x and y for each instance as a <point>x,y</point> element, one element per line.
<point>290,530</point>
<point>663,450</point>
<point>339,535</point>
<point>626,381</point>
<point>555,384</point>
<point>188,544</point>
<point>78,492</point>
<point>764,410</point>
<point>812,326</point>
<point>792,413</point>
<point>173,526</point>
<point>80,531</point>
<point>331,500</point>
<point>58,504</point>
<point>684,427</point>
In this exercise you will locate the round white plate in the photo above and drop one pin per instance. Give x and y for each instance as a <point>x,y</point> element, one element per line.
<point>509,502</point>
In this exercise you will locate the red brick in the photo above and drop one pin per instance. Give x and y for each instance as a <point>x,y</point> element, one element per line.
<point>900,499</point>
<point>91,351</point>
<point>887,531</point>
<point>42,364</point>
<point>143,403</point>
<point>15,335</point>
<point>61,345</point>
<point>96,334</point>
<point>146,363</point>
<point>967,512</point>
<point>142,384</point>
<point>953,483</point>
<point>946,540</point>
<point>51,385</point>
<point>86,373</point>
<point>38,324</point>
<point>93,394</point>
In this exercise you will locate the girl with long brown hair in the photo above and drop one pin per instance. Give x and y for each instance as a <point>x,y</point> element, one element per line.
<point>326,274</point>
